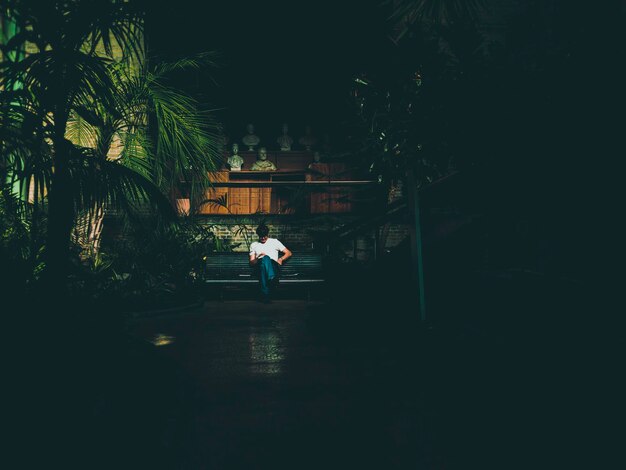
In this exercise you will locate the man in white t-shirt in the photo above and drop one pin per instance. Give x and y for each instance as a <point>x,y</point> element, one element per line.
<point>266,255</point>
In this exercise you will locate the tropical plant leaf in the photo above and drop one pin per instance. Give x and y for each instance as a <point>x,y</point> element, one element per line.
<point>66,103</point>
<point>82,128</point>
<point>196,62</point>
<point>220,201</point>
<point>435,11</point>
<point>114,185</point>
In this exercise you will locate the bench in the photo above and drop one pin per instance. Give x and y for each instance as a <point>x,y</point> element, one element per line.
<point>233,268</point>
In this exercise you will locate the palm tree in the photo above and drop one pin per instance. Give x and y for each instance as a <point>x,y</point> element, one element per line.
<point>69,83</point>
<point>154,130</point>
<point>62,71</point>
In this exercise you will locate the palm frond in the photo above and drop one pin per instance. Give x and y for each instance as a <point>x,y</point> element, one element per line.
<point>196,62</point>
<point>221,201</point>
<point>115,25</point>
<point>98,182</point>
<point>435,11</point>
<point>135,151</point>
<point>187,139</point>
<point>82,130</point>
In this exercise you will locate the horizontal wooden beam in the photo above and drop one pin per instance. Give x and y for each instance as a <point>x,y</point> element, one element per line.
<point>274,184</point>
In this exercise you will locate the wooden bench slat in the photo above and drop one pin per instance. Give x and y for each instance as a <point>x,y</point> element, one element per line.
<point>229,267</point>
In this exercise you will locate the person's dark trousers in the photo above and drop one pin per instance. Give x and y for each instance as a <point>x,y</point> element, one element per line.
<point>269,271</point>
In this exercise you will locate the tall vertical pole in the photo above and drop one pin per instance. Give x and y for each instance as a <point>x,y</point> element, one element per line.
<point>416,242</point>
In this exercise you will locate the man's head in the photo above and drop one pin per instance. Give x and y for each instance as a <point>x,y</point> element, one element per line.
<point>262,153</point>
<point>262,231</point>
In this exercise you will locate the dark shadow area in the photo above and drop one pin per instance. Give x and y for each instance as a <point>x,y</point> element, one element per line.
<point>507,363</point>
<point>85,394</point>
<point>494,379</point>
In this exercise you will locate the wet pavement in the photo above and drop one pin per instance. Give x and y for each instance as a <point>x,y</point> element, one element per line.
<point>355,381</point>
<point>299,384</point>
<point>496,379</point>
<point>270,387</point>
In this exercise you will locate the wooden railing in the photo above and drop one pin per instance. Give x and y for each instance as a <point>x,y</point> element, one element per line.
<point>280,192</point>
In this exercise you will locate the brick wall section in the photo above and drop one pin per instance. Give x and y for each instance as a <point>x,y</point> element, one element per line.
<point>297,234</point>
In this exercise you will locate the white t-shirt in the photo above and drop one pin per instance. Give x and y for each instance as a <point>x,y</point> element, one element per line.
<point>271,247</point>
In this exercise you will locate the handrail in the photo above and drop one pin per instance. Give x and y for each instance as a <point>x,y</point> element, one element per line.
<point>269,184</point>
<point>369,221</point>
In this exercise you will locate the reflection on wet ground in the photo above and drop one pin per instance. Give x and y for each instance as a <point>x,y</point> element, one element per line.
<point>355,382</point>
<point>278,386</point>
<point>497,380</point>
<point>266,352</point>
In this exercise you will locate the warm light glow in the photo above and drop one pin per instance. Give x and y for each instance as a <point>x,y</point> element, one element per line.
<point>162,340</point>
